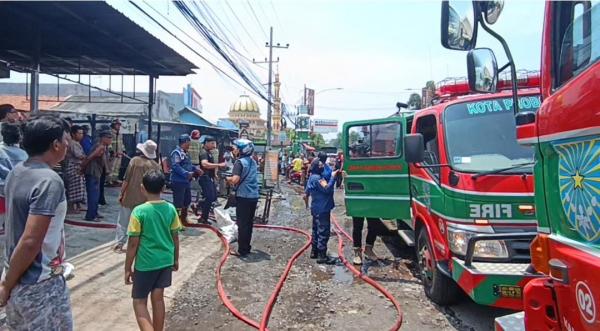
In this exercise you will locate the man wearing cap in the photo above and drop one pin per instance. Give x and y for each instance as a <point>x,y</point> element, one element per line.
<point>182,173</point>
<point>94,166</point>
<point>131,194</point>
<point>116,152</point>
<point>207,180</point>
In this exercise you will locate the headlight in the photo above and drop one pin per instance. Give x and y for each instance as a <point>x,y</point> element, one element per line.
<point>458,240</point>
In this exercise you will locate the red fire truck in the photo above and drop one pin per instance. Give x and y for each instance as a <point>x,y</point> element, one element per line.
<point>566,134</point>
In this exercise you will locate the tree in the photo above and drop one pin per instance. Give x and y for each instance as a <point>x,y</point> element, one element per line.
<point>414,101</point>
<point>430,85</point>
<point>337,141</point>
<point>317,140</point>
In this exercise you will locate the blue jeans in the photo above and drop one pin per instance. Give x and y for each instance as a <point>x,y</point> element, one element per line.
<point>321,231</point>
<point>209,193</point>
<point>92,187</point>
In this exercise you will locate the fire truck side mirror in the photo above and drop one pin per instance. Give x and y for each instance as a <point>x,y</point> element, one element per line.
<point>414,148</point>
<point>482,70</point>
<point>492,10</point>
<point>459,25</point>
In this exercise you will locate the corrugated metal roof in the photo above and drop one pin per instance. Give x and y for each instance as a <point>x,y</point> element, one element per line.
<point>83,37</point>
<point>21,103</point>
<point>105,106</point>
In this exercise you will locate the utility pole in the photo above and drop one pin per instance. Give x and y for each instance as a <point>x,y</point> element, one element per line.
<point>270,45</point>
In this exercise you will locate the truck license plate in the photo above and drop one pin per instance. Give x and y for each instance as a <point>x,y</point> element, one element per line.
<point>508,291</point>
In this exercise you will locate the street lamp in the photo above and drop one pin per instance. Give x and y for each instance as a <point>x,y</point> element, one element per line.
<point>329,89</point>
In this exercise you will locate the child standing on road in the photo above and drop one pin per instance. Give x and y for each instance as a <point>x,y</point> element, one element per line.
<point>154,245</point>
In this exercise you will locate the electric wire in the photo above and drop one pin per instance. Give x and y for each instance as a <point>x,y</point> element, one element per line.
<point>257,20</point>
<point>242,25</point>
<point>228,43</point>
<point>215,67</point>
<point>201,28</point>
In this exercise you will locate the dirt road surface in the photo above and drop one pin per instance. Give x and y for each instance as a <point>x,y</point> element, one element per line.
<point>314,297</point>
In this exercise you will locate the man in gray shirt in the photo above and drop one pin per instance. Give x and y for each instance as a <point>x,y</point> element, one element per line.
<point>33,287</point>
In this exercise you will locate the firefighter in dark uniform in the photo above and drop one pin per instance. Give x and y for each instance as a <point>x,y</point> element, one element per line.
<point>182,173</point>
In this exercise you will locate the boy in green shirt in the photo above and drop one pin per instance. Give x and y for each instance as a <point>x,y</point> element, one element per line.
<point>154,245</point>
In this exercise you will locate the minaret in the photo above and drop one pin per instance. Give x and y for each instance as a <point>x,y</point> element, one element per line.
<point>276,119</point>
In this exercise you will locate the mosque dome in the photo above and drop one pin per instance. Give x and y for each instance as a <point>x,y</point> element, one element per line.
<point>244,104</point>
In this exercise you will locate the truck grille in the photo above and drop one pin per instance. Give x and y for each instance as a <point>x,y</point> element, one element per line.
<point>518,250</point>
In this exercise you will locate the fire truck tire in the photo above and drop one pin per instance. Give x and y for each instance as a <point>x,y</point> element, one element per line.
<point>438,287</point>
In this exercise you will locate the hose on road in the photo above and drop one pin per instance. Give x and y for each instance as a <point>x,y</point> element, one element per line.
<point>274,295</point>
<point>266,314</point>
<point>341,232</point>
<point>88,224</point>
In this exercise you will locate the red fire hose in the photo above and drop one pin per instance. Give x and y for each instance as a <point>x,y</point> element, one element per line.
<point>273,297</point>
<point>340,231</point>
<point>86,224</point>
<point>266,314</point>
<point>271,302</point>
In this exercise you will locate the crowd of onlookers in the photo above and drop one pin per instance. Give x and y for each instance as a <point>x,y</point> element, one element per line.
<point>35,199</point>
<point>296,167</point>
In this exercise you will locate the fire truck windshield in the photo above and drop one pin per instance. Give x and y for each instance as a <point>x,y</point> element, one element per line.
<point>481,135</point>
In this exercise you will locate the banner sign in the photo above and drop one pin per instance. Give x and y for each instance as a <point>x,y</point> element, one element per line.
<point>309,95</point>
<point>271,167</point>
<point>325,126</point>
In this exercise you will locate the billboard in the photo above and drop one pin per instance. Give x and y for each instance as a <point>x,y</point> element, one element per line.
<point>309,96</point>
<point>325,126</point>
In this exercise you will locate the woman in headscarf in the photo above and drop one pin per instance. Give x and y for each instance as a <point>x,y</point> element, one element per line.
<point>320,190</point>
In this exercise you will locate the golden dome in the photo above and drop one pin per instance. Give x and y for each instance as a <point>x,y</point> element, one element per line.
<point>244,104</point>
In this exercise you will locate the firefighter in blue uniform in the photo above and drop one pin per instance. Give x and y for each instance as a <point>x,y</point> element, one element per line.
<point>182,173</point>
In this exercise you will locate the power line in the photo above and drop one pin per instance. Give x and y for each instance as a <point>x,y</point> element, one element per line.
<point>256,17</point>
<point>185,44</point>
<point>233,33</point>
<point>242,25</point>
<point>228,43</point>
<point>277,17</point>
<point>202,29</point>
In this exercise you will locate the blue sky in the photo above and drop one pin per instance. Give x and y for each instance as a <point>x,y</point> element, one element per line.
<point>374,50</point>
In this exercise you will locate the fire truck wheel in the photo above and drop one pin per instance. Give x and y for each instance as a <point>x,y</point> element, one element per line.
<point>438,287</point>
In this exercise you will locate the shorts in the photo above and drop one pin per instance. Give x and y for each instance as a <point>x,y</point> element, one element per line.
<point>42,306</point>
<point>145,282</point>
<point>182,195</point>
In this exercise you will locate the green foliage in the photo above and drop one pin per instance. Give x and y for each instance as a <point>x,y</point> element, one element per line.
<point>317,140</point>
<point>430,85</point>
<point>337,141</point>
